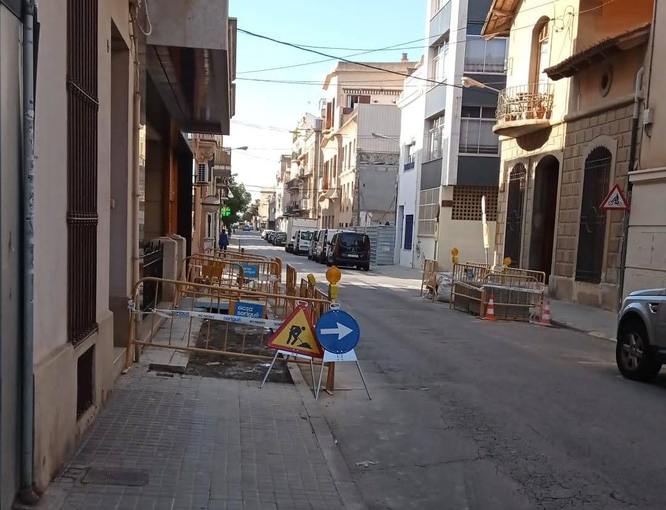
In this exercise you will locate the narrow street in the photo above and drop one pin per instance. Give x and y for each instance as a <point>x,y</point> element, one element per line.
<point>471,414</point>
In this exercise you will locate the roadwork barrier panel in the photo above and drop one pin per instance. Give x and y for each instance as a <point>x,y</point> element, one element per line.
<point>207,319</point>
<point>517,294</point>
<point>260,275</point>
<point>429,278</point>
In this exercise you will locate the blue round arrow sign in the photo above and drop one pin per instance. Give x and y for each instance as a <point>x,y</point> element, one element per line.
<point>337,331</point>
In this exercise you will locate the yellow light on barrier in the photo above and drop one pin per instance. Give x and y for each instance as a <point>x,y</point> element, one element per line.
<point>333,275</point>
<point>311,279</point>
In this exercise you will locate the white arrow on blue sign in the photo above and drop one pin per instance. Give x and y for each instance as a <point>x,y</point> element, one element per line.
<point>338,332</point>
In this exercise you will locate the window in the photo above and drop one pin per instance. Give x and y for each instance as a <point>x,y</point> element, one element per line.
<point>439,52</point>
<point>476,130</point>
<point>435,133</point>
<point>485,56</point>
<point>438,5</point>
<point>354,99</point>
<point>428,211</point>
<point>409,231</point>
<point>410,156</point>
<point>202,173</point>
<point>82,107</point>
<point>540,53</point>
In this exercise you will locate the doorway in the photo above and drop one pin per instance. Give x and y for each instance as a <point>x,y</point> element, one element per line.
<point>513,237</point>
<point>592,231</point>
<point>543,215</point>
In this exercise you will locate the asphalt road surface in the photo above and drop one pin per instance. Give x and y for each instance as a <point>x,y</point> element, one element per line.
<point>468,414</point>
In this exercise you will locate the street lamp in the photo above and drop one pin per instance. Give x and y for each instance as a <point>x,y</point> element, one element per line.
<point>468,82</point>
<point>229,149</point>
<point>386,137</point>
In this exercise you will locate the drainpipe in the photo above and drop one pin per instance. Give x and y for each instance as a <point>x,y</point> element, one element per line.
<point>136,120</point>
<point>638,97</point>
<point>27,493</point>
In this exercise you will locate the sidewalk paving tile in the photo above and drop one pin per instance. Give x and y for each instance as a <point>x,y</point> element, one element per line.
<point>205,444</point>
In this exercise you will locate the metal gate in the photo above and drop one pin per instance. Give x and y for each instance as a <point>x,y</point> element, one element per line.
<point>151,267</point>
<point>382,243</point>
<point>513,239</point>
<point>592,231</point>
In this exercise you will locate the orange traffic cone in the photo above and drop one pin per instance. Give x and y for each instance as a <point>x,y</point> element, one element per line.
<point>490,309</point>
<point>545,315</point>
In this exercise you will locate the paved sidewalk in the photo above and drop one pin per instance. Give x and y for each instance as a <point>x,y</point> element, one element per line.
<point>198,443</point>
<point>588,319</point>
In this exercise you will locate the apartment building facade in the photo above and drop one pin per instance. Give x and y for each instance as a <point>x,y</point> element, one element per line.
<point>458,162</point>
<point>107,133</point>
<point>412,139</point>
<point>283,193</point>
<point>360,150</point>
<point>306,160</point>
<point>646,244</point>
<point>566,122</point>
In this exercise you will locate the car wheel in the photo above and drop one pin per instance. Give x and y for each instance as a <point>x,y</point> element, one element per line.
<point>366,267</point>
<point>634,356</point>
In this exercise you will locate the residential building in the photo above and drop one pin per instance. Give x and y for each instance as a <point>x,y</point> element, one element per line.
<point>646,245</point>
<point>306,157</point>
<point>283,193</point>
<point>267,210</point>
<point>566,122</point>
<point>358,181</point>
<point>111,169</point>
<point>412,138</point>
<point>459,163</point>
<point>211,189</point>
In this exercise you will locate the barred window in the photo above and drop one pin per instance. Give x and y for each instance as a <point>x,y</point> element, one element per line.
<point>467,203</point>
<point>428,211</point>
<point>82,106</point>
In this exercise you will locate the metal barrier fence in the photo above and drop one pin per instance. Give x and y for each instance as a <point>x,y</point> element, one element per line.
<point>429,277</point>
<point>290,285</point>
<point>516,293</point>
<point>205,319</point>
<point>259,275</point>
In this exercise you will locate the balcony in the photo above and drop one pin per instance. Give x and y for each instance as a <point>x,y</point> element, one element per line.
<point>524,109</point>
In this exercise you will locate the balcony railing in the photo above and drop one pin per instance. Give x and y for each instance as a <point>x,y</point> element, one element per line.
<point>524,109</point>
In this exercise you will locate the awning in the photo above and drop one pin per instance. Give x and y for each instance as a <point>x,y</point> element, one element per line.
<point>191,58</point>
<point>500,18</point>
<point>606,48</point>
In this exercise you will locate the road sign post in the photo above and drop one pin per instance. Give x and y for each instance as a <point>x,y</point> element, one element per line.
<point>295,337</point>
<point>338,333</point>
<point>333,276</point>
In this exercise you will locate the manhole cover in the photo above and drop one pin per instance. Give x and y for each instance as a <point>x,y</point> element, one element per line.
<point>116,476</point>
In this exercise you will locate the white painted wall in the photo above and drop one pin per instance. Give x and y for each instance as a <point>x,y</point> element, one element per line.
<point>412,108</point>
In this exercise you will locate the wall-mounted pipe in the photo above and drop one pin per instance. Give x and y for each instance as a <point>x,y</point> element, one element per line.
<point>27,493</point>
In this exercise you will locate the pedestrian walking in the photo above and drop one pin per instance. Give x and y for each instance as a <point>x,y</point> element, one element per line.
<point>224,240</point>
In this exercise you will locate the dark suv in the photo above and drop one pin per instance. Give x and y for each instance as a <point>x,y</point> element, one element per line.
<point>641,334</point>
<point>349,249</point>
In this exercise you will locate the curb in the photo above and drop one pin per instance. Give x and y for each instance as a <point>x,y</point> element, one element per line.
<point>595,334</point>
<point>344,483</point>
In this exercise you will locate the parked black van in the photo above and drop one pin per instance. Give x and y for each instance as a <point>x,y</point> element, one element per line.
<point>349,249</point>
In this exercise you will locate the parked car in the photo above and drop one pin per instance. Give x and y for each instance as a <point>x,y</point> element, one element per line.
<point>349,249</point>
<point>302,241</point>
<point>313,244</point>
<point>247,228</point>
<point>271,236</point>
<point>323,240</point>
<point>280,238</point>
<point>641,334</point>
<point>265,232</point>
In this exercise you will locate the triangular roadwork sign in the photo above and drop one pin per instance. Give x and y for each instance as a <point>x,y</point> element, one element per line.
<point>297,335</point>
<point>615,200</point>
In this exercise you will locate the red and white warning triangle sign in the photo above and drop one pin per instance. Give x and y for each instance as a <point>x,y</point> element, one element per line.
<point>615,200</point>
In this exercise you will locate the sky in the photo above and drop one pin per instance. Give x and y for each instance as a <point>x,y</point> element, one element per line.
<point>265,112</point>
